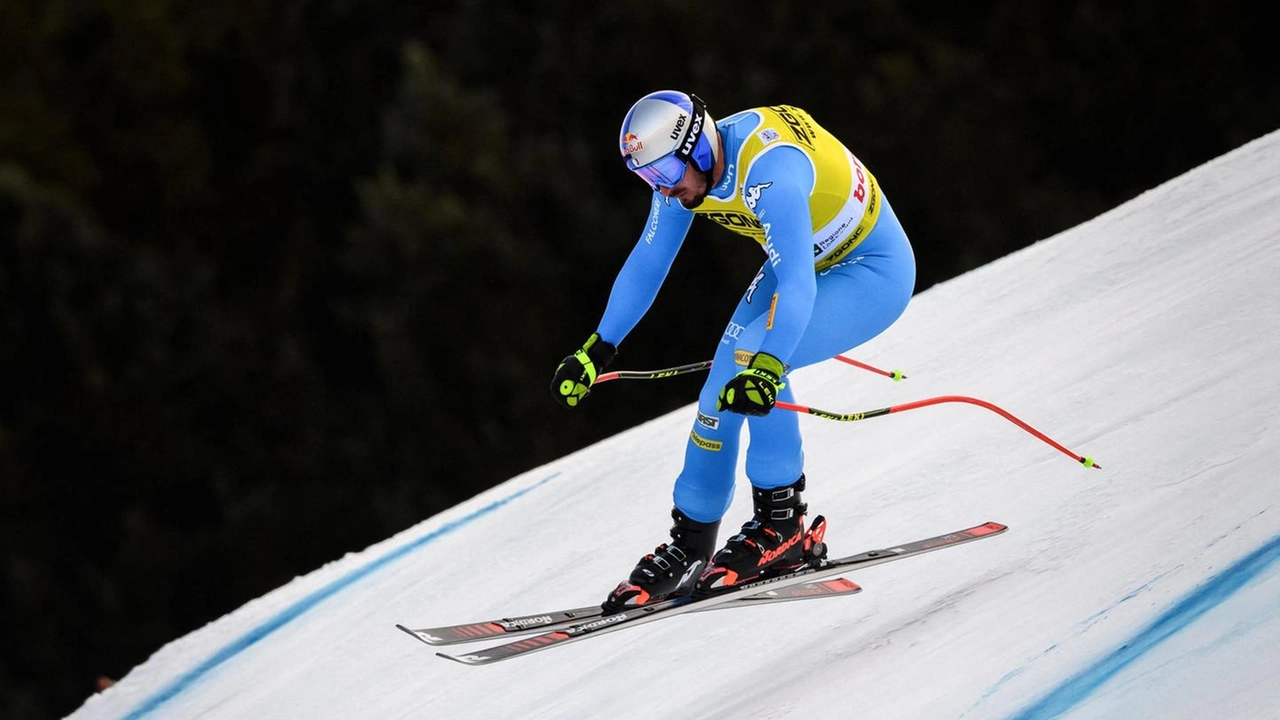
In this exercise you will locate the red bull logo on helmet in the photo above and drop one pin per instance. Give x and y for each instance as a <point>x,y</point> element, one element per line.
<point>631,143</point>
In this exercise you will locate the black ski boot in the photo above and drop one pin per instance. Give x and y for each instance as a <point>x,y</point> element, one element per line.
<point>773,542</point>
<point>672,568</point>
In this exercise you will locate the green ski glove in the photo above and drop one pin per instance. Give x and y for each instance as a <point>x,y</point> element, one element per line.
<point>754,390</point>
<point>578,372</point>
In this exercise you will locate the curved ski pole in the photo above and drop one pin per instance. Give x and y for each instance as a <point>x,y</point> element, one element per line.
<point>854,417</point>
<point>653,374</point>
<point>895,375</point>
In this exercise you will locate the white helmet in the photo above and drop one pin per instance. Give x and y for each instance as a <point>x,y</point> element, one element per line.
<point>663,132</point>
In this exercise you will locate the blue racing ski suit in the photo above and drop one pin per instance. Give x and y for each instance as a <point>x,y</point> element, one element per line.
<point>839,270</point>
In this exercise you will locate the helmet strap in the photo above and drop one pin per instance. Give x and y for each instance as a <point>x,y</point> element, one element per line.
<point>697,123</point>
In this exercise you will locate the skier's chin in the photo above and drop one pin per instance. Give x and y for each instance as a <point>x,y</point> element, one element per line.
<point>695,202</point>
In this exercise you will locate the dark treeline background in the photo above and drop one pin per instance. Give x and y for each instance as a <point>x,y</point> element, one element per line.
<point>279,278</point>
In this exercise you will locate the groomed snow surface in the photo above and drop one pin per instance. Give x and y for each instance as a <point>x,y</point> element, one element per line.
<point>1147,338</point>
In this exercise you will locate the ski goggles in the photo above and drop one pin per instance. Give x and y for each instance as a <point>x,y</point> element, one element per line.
<point>665,172</point>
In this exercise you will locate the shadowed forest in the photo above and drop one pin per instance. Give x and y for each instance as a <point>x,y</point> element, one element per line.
<point>280,278</point>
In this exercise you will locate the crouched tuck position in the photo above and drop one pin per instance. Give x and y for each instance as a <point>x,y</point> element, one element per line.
<point>838,271</point>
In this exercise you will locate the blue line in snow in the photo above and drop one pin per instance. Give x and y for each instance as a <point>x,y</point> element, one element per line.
<point>294,611</point>
<point>1201,600</point>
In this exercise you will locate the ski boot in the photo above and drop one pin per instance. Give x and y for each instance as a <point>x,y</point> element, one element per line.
<point>773,542</point>
<point>670,570</point>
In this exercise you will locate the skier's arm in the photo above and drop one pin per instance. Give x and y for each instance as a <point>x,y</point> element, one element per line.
<point>783,208</point>
<point>633,292</point>
<point>637,284</point>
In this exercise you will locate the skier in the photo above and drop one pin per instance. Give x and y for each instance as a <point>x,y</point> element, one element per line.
<point>838,271</point>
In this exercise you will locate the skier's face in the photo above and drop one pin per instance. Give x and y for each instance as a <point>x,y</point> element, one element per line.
<point>691,190</point>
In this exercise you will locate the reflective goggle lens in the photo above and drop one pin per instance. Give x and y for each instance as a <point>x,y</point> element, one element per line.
<point>664,172</point>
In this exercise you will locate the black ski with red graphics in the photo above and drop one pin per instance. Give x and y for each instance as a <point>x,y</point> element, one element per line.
<point>601,625</point>
<point>541,622</point>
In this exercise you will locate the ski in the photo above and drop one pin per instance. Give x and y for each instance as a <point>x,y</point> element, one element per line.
<point>601,625</point>
<point>541,622</point>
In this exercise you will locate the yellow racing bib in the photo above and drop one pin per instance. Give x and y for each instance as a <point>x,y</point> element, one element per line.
<point>844,204</point>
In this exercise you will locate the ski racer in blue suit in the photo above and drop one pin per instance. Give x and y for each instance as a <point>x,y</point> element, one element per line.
<point>838,271</point>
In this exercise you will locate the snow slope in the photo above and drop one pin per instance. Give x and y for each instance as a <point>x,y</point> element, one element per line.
<point>1146,338</point>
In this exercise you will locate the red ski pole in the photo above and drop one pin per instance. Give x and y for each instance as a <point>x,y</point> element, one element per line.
<point>653,374</point>
<point>896,375</point>
<point>853,417</point>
